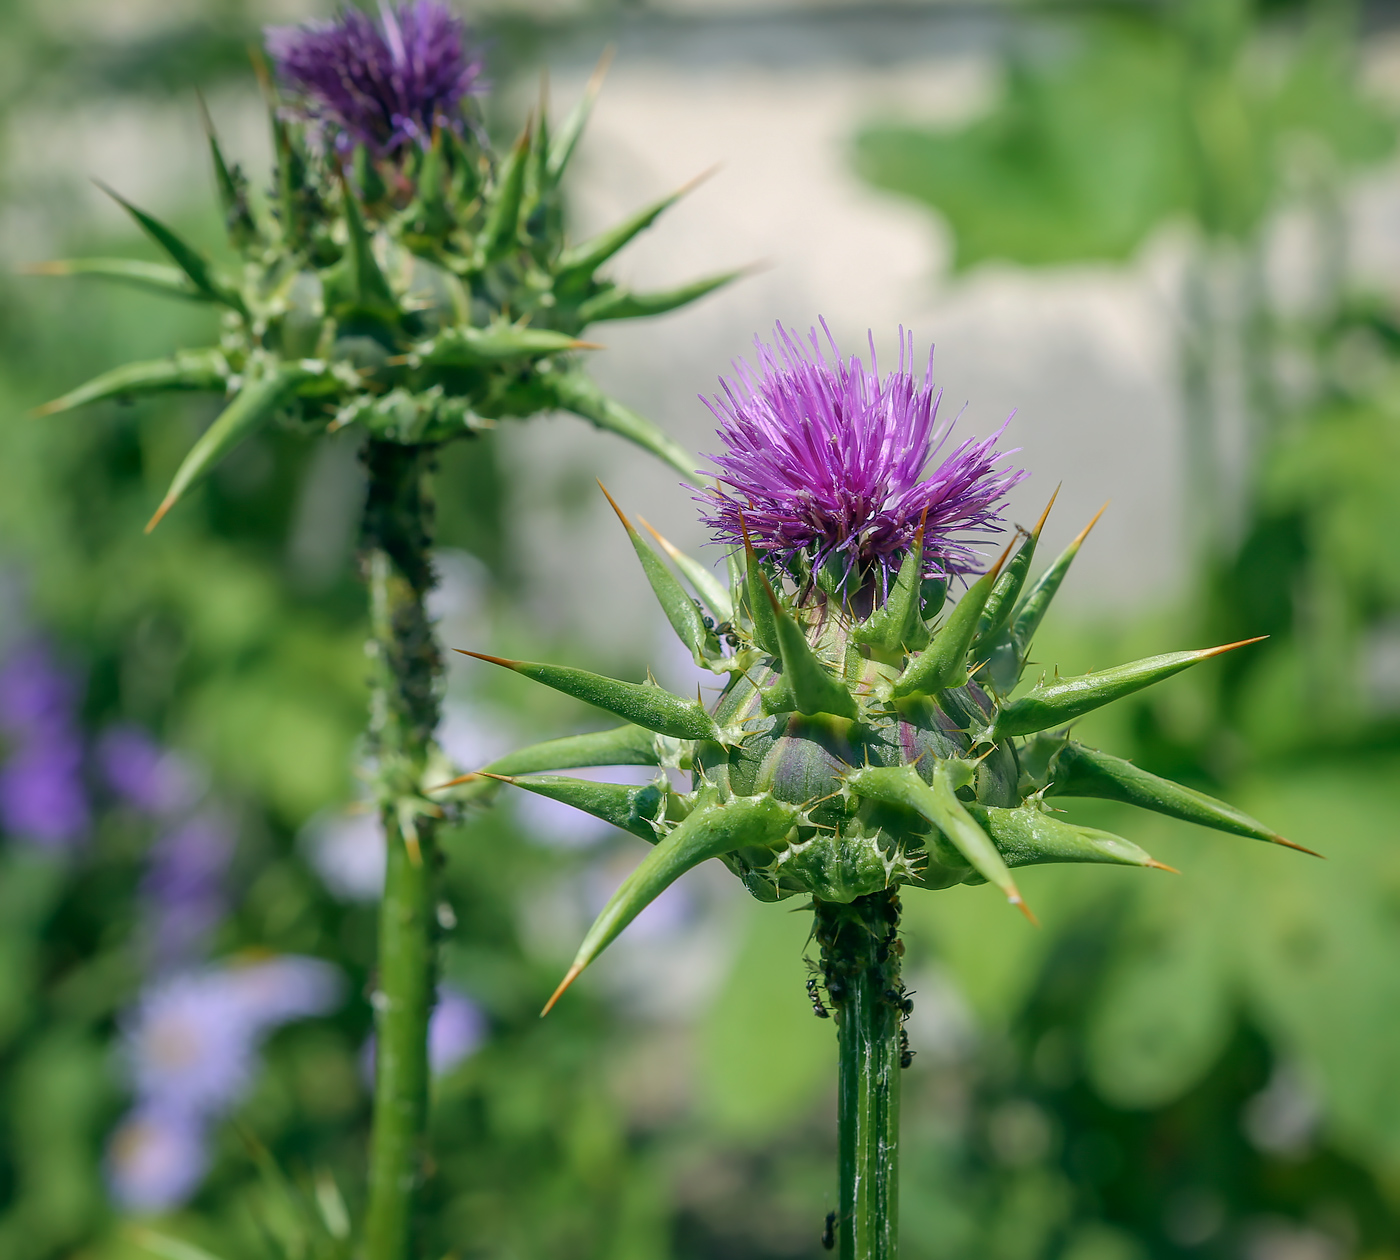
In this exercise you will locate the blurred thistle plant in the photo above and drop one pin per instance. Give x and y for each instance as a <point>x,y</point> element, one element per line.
<point>404,277</point>
<point>866,740</point>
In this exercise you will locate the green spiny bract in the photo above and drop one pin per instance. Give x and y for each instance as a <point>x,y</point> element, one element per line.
<point>423,296</point>
<point>852,752</point>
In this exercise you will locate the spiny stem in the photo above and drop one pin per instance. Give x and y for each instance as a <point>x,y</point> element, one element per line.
<point>860,962</point>
<point>404,715</point>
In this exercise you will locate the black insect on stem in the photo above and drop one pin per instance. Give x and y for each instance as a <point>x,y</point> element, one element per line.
<point>829,1232</point>
<point>818,1006</point>
<point>906,1055</point>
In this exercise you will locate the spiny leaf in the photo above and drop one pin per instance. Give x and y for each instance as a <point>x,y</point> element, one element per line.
<point>1081,771</point>
<point>813,687</point>
<point>1007,591</point>
<point>185,256</point>
<point>464,346</point>
<point>574,391</point>
<point>645,704</point>
<point>186,369</point>
<point>706,585</point>
<point>938,803</point>
<point>757,593</point>
<point>712,830</point>
<point>1030,612</point>
<point>897,625</point>
<point>621,746</point>
<point>943,663</point>
<point>498,234</point>
<point>368,283</point>
<point>233,197</point>
<point>252,407</point>
<point>583,260</point>
<point>627,806</point>
<point>679,608</point>
<point>615,303</point>
<point>562,147</point>
<point>1030,837</point>
<point>153,277</point>
<point>1063,699</point>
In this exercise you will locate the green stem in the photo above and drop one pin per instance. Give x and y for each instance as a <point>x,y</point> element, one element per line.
<point>403,717</point>
<point>860,961</point>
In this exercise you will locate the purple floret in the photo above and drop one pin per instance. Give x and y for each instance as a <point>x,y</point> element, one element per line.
<point>826,461</point>
<point>385,84</point>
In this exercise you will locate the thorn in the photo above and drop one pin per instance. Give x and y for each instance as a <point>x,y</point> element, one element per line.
<point>461,778</point>
<point>626,524</point>
<point>482,656</point>
<point>57,267</point>
<point>415,852</point>
<point>1207,653</point>
<point>600,71</point>
<point>919,536</point>
<point>1288,844</point>
<point>563,984</point>
<point>586,345</point>
<point>205,120</point>
<point>1162,866</point>
<point>978,761</point>
<point>1084,533</point>
<point>48,409</point>
<point>501,778</point>
<point>1040,524</point>
<point>261,74</point>
<point>166,504</point>
<point>1014,897</point>
<point>692,184</point>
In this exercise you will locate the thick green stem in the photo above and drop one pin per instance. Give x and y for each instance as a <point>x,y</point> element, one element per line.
<point>860,962</point>
<point>404,715</point>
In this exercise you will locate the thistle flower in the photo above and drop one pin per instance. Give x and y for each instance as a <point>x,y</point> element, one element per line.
<point>156,1158</point>
<point>825,465</point>
<point>385,84</point>
<point>183,889</point>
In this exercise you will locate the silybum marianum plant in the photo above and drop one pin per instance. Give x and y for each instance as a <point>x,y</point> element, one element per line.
<point>402,277</point>
<point>869,737</point>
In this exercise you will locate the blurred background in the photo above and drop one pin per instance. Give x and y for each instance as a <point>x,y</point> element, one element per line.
<point>1165,235</point>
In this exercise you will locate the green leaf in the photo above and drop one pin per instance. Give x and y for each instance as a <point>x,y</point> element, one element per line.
<point>464,346</point>
<point>615,303</point>
<point>1064,699</point>
<point>1031,610</point>
<point>938,803</point>
<point>943,663</point>
<point>644,704</point>
<point>498,233</point>
<point>185,256</point>
<point>582,261</point>
<point>757,600</point>
<point>574,391</point>
<point>186,369</point>
<point>706,585</point>
<point>1027,836</point>
<point>252,407</point>
<point>1081,771</point>
<point>813,687</point>
<point>712,830</point>
<point>679,608</point>
<point>372,294</point>
<point>231,186</point>
<point>897,626</point>
<point>152,277</point>
<point>1007,591</point>
<point>632,808</point>
<point>562,147</point>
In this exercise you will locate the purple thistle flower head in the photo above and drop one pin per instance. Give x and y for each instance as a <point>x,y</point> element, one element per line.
<point>826,463</point>
<point>384,84</point>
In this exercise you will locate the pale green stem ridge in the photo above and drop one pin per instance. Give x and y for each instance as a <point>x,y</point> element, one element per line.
<point>860,965</point>
<point>404,715</point>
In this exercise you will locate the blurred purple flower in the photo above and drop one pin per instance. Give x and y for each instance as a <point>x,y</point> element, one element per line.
<point>42,798</point>
<point>184,888</point>
<point>192,1041</point>
<point>384,84</point>
<point>156,1158</point>
<point>825,462</point>
<point>347,851</point>
<point>151,778</point>
<point>455,1031</point>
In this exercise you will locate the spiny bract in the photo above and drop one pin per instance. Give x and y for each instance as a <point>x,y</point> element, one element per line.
<point>866,738</point>
<point>418,285</point>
